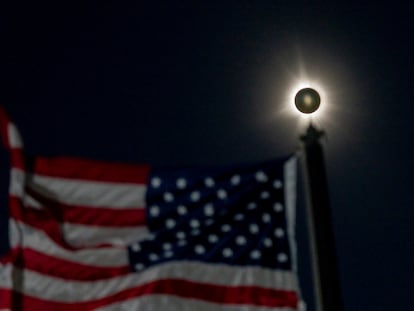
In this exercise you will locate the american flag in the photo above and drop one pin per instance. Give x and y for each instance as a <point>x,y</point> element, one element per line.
<point>88,235</point>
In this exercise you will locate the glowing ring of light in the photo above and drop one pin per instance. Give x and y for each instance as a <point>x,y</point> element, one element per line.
<point>321,112</point>
<point>307,100</point>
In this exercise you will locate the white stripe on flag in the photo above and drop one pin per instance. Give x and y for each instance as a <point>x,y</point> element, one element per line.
<point>29,201</point>
<point>290,172</point>
<point>173,303</point>
<point>60,290</point>
<point>39,241</point>
<point>15,140</point>
<point>17,183</point>
<point>80,192</point>
<point>15,237</point>
<point>86,235</point>
<point>6,281</point>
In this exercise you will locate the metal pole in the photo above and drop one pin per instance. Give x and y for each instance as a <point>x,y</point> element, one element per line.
<point>323,254</point>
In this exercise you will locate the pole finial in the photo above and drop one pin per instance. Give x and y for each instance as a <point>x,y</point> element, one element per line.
<point>312,135</point>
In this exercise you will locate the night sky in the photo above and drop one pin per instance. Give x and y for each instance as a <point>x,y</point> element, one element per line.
<point>181,84</point>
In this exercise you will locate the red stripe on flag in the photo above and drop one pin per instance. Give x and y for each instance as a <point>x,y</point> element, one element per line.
<point>17,159</point>
<point>5,299</point>
<point>242,295</point>
<point>104,216</point>
<point>39,219</point>
<point>45,221</point>
<point>16,154</point>
<point>10,256</point>
<point>68,270</point>
<point>4,124</point>
<point>75,168</point>
<point>249,295</point>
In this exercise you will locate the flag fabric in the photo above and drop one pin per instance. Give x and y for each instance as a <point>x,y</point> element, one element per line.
<point>90,235</point>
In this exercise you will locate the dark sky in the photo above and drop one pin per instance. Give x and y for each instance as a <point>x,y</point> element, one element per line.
<point>185,84</point>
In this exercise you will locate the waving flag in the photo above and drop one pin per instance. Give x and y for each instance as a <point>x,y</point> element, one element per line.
<point>89,235</point>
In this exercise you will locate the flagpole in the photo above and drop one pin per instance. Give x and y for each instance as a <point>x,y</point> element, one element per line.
<point>323,254</point>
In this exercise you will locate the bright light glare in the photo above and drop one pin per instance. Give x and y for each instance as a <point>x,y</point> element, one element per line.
<point>288,72</point>
<point>301,85</point>
<point>303,118</point>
